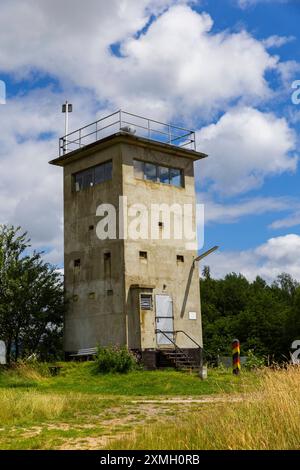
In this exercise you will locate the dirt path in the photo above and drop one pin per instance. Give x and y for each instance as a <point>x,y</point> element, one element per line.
<point>138,413</point>
<point>97,430</point>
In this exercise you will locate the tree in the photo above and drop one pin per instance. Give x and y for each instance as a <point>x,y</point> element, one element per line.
<point>31,298</point>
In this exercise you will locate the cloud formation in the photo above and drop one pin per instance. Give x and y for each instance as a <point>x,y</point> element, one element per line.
<point>155,57</point>
<point>232,212</point>
<point>251,145</point>
<point>174,66</point>
<point>277,255</point>
<point>249,3</point>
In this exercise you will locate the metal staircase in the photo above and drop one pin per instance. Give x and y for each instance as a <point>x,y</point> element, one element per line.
<point>177,357</point>
<point>180,360</point>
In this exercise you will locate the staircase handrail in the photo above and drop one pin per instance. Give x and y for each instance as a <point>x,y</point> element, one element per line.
<point>165,333</point>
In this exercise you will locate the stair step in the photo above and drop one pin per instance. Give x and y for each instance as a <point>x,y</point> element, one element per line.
<point>175,355</point>
<point>180,360</point>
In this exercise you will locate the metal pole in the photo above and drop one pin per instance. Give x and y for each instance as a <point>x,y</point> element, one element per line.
<point>236,361</point>
<point>66,108</point>
<point>206,253</point>
<point>66,127</point>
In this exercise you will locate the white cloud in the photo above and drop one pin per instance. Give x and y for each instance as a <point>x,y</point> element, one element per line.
<point>277,255</point>
<point>290,221</point>
<point>250,145</point>
<point>277,41</point>
<point>172,68</point>
<point>249,3</point>
<point>180,60</point>
<point>230,213</point>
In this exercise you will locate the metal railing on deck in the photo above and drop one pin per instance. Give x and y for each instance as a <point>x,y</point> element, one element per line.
<point>131,124</point>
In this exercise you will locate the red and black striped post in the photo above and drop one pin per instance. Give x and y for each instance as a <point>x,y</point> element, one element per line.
<point>236,361</point>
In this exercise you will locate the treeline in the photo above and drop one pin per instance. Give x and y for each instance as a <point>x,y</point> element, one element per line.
<point>265,318</point>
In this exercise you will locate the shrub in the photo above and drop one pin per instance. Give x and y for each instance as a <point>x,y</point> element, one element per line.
<point>114,359</point>
<point>253,361</point>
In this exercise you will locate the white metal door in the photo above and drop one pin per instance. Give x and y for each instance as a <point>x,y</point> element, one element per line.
<point>164,319</point>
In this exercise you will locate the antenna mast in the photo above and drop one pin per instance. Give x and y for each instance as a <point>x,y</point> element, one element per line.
<point>66,109</point>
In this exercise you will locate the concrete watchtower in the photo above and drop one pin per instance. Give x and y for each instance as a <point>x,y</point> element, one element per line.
<point>129,268</point>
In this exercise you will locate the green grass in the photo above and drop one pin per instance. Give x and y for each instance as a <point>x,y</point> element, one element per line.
<point>81,408</point>
<point>83,378</point>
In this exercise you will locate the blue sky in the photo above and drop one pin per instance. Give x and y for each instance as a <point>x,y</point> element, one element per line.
<point>223,67</point>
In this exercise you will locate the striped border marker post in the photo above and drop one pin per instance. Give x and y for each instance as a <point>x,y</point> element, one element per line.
<point>236,361</point>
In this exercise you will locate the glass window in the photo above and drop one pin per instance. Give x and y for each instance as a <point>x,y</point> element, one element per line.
<point>88,178</point>
<point>99,174</point>
<point>108,170</point>
<point>138,169</point>
<point>78,182</point>
<point>157,173</point>
<point>163,174</point>
<point>175,177</point>
<point>150,172</point>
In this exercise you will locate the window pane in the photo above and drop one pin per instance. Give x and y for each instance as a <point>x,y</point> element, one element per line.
<point>95,175</point>
<point>78,182</point>
<point>150,172</point>
<point>99,174</point>
<point>108,171</point>
<point>138,169</point>
<point>175,177</point>
<point>103,172</point>
<point>88,178</point>
<point>163,174</point>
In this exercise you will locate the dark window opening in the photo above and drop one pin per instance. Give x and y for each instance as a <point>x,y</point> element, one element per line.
<point>91,227</point>
<point>76,263</point>
<point>107,267</point>
<point>180,258</point>
<point>143,255</point>
<point>160,224</point>
<point>95,175</point>
<point>146,302</point>
<point>109,292</point>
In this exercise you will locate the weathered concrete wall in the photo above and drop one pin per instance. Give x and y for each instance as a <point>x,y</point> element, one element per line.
<point>161,269</point>
<point>94,316</point>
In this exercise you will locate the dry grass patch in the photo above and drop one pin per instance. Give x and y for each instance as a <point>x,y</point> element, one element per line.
<point>269,419</point>
<point>18,406</point>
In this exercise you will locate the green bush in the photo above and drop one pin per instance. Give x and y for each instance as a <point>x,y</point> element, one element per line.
<point>114,359</point>
<point>253,361</point>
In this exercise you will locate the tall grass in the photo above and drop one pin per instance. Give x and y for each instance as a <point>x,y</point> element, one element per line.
<point>268,419</point>
<point>24,374</point>
<point>22,406</point>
